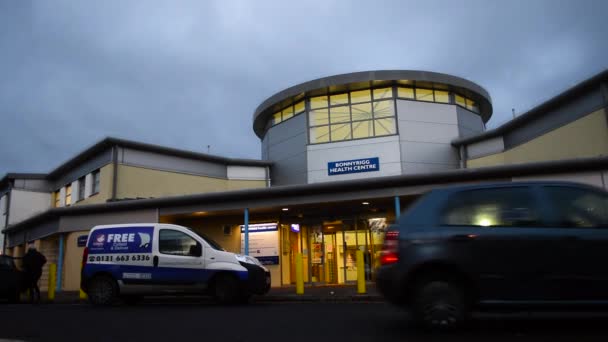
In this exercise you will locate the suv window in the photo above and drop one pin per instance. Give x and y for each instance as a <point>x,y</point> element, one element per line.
<point>575,207</point>
<point>174,242</point>
<point>511,207</point>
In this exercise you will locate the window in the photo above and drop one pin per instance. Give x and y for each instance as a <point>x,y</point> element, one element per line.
<point>442,96</point>
<point>174,242</point>
<point>383,93</point>
<point>276,118</point>
<point>460,101</point>
<point>352,115</point>
<point>360,96</point>
<point>81,186</point>
<point>339,99</point>
<point>424,94</point>
<point>96,182</point>
<point>68,194</point>
<point>576,207</point>
<point>57,198</point>
<point>405,93</point>
<point>472,106</point>
<point>288,113</point>
<point>504,207</point>
<point>319,134</point>
<point>318,102</point>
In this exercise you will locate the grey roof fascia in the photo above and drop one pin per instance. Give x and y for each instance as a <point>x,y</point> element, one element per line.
<point>109,142</point>
<point>15,175</point>
<point>535,112</point>
<point>264,110</point>
<point>485,173</point>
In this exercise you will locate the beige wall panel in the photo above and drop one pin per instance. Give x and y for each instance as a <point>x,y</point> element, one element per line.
<point>49,247</point>
<point>18,252</point>
<point>105,187</point>
<point>491,160</point>
<point>72,261</point>
<point>586,137</point>
<point>245,184</point>
<point>141,182</point>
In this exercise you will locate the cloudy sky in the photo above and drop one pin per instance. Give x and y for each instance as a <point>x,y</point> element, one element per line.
<point>188,74</point>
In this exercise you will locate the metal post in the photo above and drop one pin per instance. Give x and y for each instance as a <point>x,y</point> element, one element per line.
<point>360,273</point>
<point>397,208</point>
<point>246,231</point>
<point>299,274</point>
<point>52,281</point>
<point>60,264</point>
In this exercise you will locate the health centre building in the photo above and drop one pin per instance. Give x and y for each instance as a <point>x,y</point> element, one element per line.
<point>342,156</point>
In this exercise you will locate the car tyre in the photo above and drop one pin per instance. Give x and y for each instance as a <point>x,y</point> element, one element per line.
<point>227,289</point>
<point>440,305</point>
<point>102,290</point>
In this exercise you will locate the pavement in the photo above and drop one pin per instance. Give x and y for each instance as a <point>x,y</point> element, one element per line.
<point>312,293</point>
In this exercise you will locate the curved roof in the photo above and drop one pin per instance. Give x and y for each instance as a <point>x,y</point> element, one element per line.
<point>365,79</point>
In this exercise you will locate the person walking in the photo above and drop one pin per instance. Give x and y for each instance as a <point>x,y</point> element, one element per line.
<point>33,261</point>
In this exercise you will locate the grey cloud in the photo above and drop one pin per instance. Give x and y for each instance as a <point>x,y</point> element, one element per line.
<point>190,74</point>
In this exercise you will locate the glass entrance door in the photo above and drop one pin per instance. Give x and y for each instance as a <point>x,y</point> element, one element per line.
<point>331,258</point>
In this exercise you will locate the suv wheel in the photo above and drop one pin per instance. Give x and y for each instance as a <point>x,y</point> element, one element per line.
<point>439,305</point>
<point>102,290</point>
<point>226,289</point>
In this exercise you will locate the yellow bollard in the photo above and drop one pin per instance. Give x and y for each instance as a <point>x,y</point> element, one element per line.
<point>299,275</point>
<point>52,281</point>
<point>360,273</point>
<point>82,295</point>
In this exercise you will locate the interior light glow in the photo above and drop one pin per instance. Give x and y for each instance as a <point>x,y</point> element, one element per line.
<point>484,222</point>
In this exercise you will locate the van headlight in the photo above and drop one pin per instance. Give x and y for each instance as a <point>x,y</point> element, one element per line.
<point>248,259</point>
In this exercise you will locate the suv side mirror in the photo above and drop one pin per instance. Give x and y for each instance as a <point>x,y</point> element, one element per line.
<point>196,250</point>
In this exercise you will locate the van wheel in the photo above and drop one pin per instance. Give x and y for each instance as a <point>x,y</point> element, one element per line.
<point>439,305</point>
<point>226,289</point>
<point>102,290</point>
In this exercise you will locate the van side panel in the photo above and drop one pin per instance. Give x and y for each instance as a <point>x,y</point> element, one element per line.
<point>123,252</point>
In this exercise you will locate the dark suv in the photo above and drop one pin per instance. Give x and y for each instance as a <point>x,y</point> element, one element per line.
<point>532,244</point>
<point>11,279</point>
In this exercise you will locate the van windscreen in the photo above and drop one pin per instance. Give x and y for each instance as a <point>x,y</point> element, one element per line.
<point>209,240</point>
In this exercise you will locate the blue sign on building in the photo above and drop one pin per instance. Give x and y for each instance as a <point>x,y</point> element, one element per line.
<point>82,240</point>
<point>353,166</point>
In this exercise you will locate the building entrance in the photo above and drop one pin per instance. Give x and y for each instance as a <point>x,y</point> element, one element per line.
<point>330,249</point>
<point>333,246</point>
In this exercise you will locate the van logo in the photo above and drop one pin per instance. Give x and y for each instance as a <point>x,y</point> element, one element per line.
<point>145,240</point>
<point>101,238</point>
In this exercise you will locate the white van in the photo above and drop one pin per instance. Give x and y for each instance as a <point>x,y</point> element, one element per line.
<point>130,261</point>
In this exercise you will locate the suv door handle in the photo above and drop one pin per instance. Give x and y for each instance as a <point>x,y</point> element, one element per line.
<point>155,261</point>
